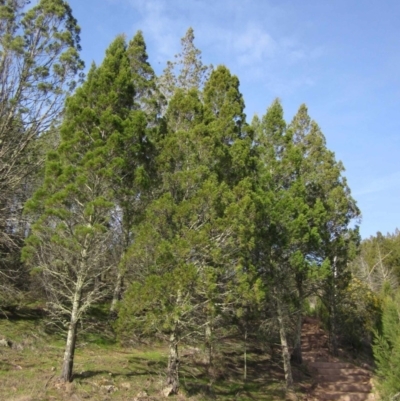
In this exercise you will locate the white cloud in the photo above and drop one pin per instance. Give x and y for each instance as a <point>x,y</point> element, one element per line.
<point>380,184</point>
<point>241,34</point>
<point>157,25</point>
<point>254,45</point>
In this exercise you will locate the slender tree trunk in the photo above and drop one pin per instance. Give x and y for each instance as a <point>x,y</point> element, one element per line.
<point>284,347</point>
<point>68,361</point>
<point>208,333</point>
<point>333,330</point>
<point>245,356</point>
<point>117,294</point>
<point>173,363</point>
<point>297,356</point>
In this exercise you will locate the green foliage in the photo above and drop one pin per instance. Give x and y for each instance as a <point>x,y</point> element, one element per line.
<point>187,71</point>
<point>191,247</point>
<point>160,187</point>
<point>39,59</point>
<point>358,315</point>
<point>225,119</point>
<point>147,95</point>
<point>89,180</point>
<point>378,263</point>
<point>387,349</point>
<point>304,211</point>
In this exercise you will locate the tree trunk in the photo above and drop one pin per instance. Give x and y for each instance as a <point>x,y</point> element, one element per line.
<point>116,295</point>
<point>173,363</point>
<point>209,349</point>
<point>332,333</point>
<point>68,361</point>
<point>284,346</point>
<point>245,356</point>
<point>297,356</point>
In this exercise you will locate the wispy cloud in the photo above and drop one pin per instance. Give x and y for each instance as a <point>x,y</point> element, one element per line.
<point>248,40</point>
<point>380,184</point>
<point>253,46</point>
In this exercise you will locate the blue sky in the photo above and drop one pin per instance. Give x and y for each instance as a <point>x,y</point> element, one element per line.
<point>339,57</point>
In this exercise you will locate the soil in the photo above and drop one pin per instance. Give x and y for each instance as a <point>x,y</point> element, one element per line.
<point>333,378</point>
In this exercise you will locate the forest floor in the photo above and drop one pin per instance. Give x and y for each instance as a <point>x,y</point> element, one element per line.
<point>104,370</point>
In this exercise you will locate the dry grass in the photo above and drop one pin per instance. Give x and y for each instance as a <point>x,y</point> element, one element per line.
<point>105,371</point>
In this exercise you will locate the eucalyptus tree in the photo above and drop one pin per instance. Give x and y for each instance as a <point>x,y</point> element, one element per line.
<point>39,65</point>
<point>75,210</point>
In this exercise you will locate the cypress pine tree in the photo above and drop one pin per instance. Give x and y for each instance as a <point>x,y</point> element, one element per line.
<point>147,95</point>
<point>134,171</point>
<point>167,250</point>
<point>189,236</point>
<point>331,241</point>
<point>186,71</point>
<point>224,114</point>
<point>72,236</point>
<point>305,209</point>
<point>276,212</point>
<point>233,163</point>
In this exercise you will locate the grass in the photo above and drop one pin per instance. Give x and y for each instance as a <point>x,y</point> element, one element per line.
<point>105,371</point>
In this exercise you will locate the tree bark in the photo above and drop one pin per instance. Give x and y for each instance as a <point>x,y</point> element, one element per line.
<point>173,363</point>
<point>245,356</point>
<point>332,333</point>
<point>297,356</point>
<point>68,361</point>
<point>116,295</point>
<point>209,349</point>
<point>284,347</point>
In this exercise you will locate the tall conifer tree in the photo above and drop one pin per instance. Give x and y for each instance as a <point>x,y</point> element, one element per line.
<point>187,71</point>
<point>190,238</point>
<point>275,216</point>
<point>148,98</point>
<point>134,173</point>
<point>73,234</point>
<point>332,212</point>
<point>305,208</point>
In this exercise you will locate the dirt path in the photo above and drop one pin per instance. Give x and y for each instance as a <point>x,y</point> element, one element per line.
<point>333,379</point>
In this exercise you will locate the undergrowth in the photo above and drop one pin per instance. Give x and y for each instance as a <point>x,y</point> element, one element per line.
<point>104,370</point>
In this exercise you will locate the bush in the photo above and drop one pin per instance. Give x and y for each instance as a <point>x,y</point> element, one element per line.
<point>387,350</point>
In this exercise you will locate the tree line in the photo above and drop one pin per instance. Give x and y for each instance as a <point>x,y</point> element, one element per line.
<point>154,195</point>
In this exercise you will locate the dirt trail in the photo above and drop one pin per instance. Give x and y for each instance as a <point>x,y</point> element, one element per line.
<point>333,379</point>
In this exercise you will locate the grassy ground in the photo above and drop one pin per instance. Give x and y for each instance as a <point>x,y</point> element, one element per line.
<point>105,371</point>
